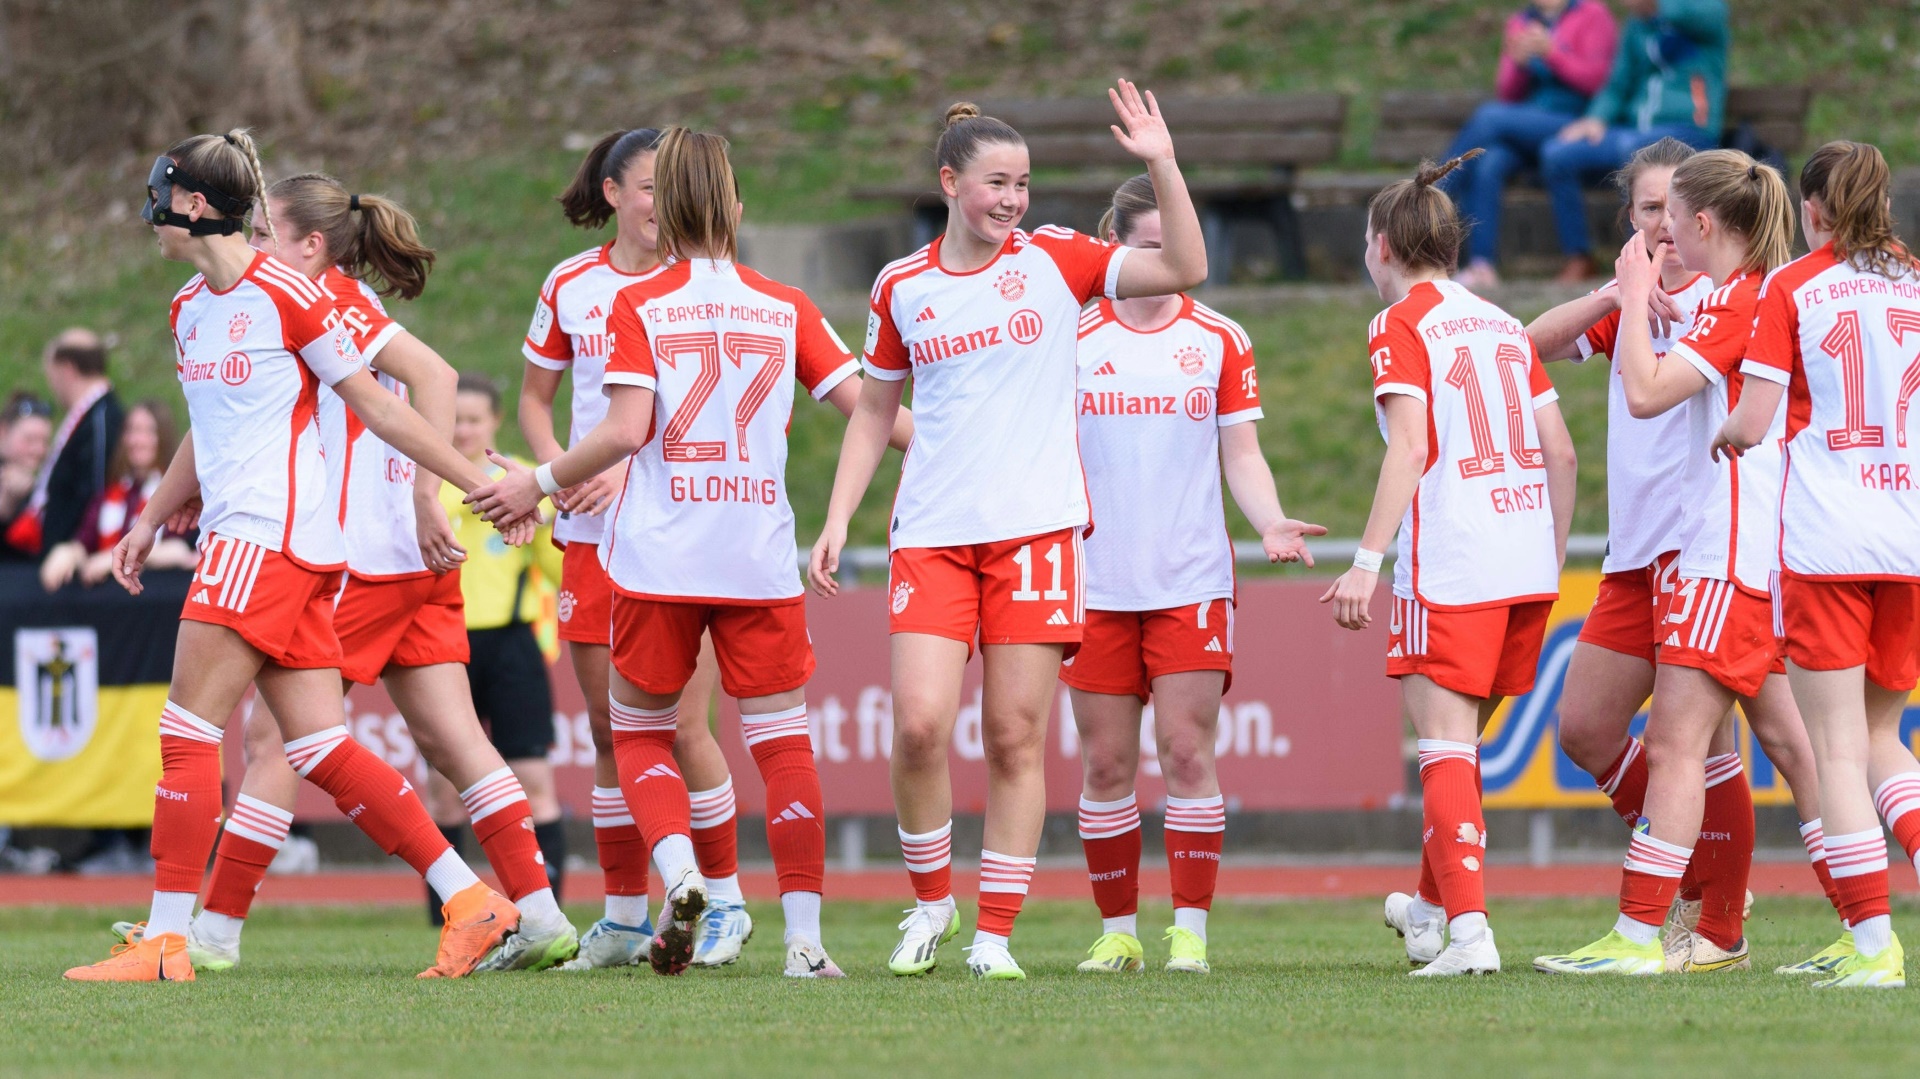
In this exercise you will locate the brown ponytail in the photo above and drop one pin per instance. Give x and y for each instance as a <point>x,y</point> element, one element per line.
<point>694,195</point>
<point>1850,180</point>
<point>1131,200</point>
<point>964,133</point>
<point>369,236</point>
<point>585,200</point>
<point>230,163</point>
<point>1422,227</point>
<point>1745,196</point>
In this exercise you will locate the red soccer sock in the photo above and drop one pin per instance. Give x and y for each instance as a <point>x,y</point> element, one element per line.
<point>1723,858</point>
<point>1003,887</point>
<point>1650,877</point>
<point>796,811</point>
<point>186,803</point>
<point>643,752</point>
<point>1625,782</point>
<point>1811,835</point>
<point>716,839</point>
<point>1194,830</point>
<point>503,823</point>
<point>1110,833</point>
<point>1858,863</point>
<point>1454,840</point>
<point>371,794</point>
<point>255,832</point>
<point>622,851</point>
<point>929,858</point>
<point>1897,800</point>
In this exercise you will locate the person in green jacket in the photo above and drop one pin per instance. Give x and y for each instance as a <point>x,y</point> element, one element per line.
<point>1669,79</point>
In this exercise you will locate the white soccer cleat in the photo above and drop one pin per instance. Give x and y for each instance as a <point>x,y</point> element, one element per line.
<point>1676,937</point>
<point>1424,939</point>
<point>991,962</point>
<point>1480,957</point>
<point>534,948</point>
<point>672,949</point>
<point>807,959</point>
<point>926,929</point>
<point>607,944</point>
<point>724,930</point>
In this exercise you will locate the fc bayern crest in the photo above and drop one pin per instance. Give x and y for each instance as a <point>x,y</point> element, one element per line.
<point>902,592</point>
<point>566,606</point>
<point>238,326</point>
<point>1012,285</point>
<point>1191,360</point>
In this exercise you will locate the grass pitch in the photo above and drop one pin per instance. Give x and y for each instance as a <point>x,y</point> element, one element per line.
<point>1297,988</point>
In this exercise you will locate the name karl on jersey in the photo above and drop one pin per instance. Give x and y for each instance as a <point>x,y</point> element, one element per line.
<point>714,312</point>
<point>1886,477</point>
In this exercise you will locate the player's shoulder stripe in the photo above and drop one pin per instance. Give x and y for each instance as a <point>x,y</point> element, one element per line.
<point>192,287</point>
<point>1058,232</point>
<point>767,286</point>
<point>1797,272</point>
<point>1207,316</point>
<point>899,270</point>
<point>290,284</point>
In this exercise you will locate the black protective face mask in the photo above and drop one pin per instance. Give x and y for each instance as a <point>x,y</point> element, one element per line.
<point>164,177</point>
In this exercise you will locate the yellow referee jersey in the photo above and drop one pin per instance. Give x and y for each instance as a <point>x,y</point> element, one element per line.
<point>494,573</point>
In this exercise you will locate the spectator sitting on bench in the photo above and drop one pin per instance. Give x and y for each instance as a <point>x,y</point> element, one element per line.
<point>147,442</point>
<point>26,432</point>
<point>1669,79</point>
<point>1557,54</point>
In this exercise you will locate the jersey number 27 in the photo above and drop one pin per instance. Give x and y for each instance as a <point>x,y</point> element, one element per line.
<point>706,350</point>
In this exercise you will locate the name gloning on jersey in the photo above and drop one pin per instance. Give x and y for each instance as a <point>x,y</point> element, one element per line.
<point>750,490</point>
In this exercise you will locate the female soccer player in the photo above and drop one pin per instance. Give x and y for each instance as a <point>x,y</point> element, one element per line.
<point>1611,672</point>
<point>1731,221</point>
<point>992,503</point>
<point>1168,396</point>
<point>1836,335</point>
<point>615,182</point>
<point>706,354</point>
<point>399,614</point>
<point>255,339</point>
<point>1478,482</point>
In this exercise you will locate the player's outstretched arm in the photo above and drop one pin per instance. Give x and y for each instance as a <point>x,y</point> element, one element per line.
<point>1181,261</point>
<point>1747,424</point>
<point>872,423</point>
<point>845,396</point>
<point>1556,333</point>
<point>1400,472</point>
<point>431,386</point>
<point>516,495</point>
<point>1250,479</point>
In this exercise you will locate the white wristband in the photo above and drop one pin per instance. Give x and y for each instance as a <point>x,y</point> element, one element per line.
<point>1368,560</point>
<point>544,477</point>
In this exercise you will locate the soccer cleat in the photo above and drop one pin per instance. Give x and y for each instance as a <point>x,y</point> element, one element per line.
<point>1189,952</point>
<point>1424,939</point>
<point>1888,970</point>
<point>1826,960</point>
<point>926,928</point>
<point>610,944</point>
<point>806,959</point>
<point>1480,957</point>
<point>1611,954</point>
<point>1115,953</point>
<point>162,959</point>
<point>204,955</point>
<point>1676,937</point>
<point>1705,957</point>
<point>525,950</point>
<point>673,945</point>
<point>991,962</point>
<point>724,929</point>
<point>478,920</point>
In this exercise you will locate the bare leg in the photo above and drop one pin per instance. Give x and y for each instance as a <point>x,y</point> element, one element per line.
<point>695,749</point>
<point>1604,691</point>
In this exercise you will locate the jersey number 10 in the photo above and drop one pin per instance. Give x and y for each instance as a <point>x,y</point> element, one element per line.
<point>1486,459</point>
<point>707,348</point>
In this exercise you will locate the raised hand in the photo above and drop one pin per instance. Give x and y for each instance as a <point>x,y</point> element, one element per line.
<point>1144,134</point>
<point>1636,269</point>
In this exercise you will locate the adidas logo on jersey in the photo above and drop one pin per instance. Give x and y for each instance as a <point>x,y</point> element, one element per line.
<point>926,315</point>
<point>1213,645</point>
<point>658,771</point>
<point>796,811</point>
<point>1673,640</point>
<point>193,334</point>
<point>1105,369</point>
<point>1059,618</point>
<point>201,597</point>
<point>596,312</point>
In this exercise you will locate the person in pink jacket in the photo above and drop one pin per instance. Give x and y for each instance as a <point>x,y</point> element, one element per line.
<point>1556,56</point>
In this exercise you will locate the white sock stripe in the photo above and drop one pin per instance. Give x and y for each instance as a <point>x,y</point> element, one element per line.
<point>1432,752</point>
<point>306,753</point>
<point>622,718</point>
<point>1005,873</point>
<point>1196,814</point>
<point>1107,823</point>
<point>249,804</point>
<point>1812,837</point>
<point>610,809</point>
<point>1101,807</point>
<point>265,824</point>
<point>1634,749</point>
<point>177,722</point>
<point>1897,797</point>
<point>712,808</point>
<point>1857,854</point>
<point>926,851</point>
<point>1656,858</point>
<point>1722,768</point>
<point>766,726</point>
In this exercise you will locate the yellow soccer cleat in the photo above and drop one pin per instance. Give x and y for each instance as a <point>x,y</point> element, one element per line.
<point>1189,952</point>
<point>1611,954</point>
<point>1826,960</point>
<point>1115,953</point>
<point>1888,970</point>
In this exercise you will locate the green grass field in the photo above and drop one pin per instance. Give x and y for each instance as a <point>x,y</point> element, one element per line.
<point>1297,988</point>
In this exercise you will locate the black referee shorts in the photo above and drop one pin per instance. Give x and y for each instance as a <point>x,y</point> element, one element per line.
<point>510,690</point>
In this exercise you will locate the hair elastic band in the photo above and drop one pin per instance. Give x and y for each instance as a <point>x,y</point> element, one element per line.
<point>353,203</point>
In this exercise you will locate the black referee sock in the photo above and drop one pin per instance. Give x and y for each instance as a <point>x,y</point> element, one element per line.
<point>456,836</point>
<point>552,837</point>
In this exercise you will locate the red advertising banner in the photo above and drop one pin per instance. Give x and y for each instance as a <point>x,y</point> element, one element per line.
<point>1311,722</point>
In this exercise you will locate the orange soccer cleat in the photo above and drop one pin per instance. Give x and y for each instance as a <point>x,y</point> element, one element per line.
<point>478,919</point>
<point>162,959</point>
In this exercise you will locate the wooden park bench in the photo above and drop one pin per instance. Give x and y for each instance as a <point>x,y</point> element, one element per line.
<point>1240,156</point>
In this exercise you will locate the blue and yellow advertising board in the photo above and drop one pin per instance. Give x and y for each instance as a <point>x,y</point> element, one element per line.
<point>1520,759</point>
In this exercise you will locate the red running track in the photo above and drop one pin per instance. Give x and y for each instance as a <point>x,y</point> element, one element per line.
<point>1050,882</point>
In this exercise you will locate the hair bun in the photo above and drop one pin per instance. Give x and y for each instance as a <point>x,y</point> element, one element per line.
<point>961,110</point>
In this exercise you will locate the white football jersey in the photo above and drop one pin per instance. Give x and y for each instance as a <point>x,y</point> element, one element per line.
<point>569,333</point>
<point>251,362</point>
<point>1730,531</point>
<point>1151,407</point>
<point>1480,530</point>
<point>704,516</point>
<point>992,355</point>
<point>1644,488</point>
<point>1847,343</point>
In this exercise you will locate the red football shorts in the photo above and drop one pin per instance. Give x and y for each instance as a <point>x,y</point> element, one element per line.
<point>586,595</point>
<point>763,647</point>
<point>275,604</point>
<point>1833,625</point>
<point>1720,628</point>
<point>1019,591</point>
<point>1485,652</point>
<point>410,622</point>
<point>1124,651</point>
<point>1626,613</point>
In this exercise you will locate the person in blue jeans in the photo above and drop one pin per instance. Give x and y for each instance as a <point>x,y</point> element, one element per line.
<point>1669,79</point>
<point>1557,55</point>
